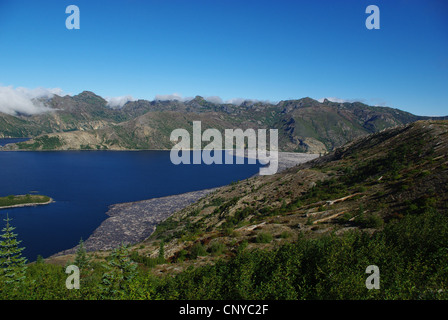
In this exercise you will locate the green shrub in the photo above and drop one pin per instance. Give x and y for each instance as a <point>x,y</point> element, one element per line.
<point>371,220</point>
<point>182,255</point>
<point>345,217</point>
<point>197,250</point>
<point>263,237</point>
<point>217,248</point>
<point>309,222</point>
<point>285,235</point>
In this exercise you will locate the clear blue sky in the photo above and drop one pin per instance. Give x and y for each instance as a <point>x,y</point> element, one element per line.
<point>268,50</point>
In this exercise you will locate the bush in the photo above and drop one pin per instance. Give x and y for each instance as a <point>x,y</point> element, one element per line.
<point>309,222</point>
<point>146,261</point>
<point>374,221</point>
<point>370,220</point>
<point>217,248</point>
<point>345,217</point>
<point>263,237</point>
<point>285,235</point>
<point>197,250</point>
<point>229,232</point>
<point>182,255</point>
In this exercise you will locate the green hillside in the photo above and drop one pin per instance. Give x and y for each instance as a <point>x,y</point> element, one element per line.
<point>308,232</point>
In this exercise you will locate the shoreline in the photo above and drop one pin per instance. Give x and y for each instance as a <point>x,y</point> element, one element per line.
<point>28,205</point>
<point>133,222</point>
<point>232,151</point>
<point>137,150</point>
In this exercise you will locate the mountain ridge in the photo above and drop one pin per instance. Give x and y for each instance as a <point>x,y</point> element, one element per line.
<point>85,121</point>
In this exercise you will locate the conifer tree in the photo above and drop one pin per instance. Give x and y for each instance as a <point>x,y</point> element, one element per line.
<point>12,264</point>
<point>122,270</point>
<point>82,261</point>
<point>162,252</point>
<point>40,259</point>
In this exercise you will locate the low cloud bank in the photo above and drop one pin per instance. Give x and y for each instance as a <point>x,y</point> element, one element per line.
<point>118,102</point>
<point>338,100</point>
<point>14,101</point>
<point>212,99</point>
<point>373,102</point>
<point>172,97</point>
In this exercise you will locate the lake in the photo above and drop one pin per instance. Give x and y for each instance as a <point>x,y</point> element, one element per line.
<point>5,141</point>
<point>85,183</point>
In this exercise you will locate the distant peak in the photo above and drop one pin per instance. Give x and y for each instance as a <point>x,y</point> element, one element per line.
<point>199,98</point>
<point>308,99</point>
<point>91,98</point>
<point>86,93</point>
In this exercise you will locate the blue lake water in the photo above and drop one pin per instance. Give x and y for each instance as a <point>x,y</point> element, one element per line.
<point>5,141</point>
<point>85,183</point>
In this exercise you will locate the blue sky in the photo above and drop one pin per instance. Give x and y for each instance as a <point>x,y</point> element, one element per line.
<point>266,50</point>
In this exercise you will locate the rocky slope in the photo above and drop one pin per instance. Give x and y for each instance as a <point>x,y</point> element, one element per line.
<point>365,184</point>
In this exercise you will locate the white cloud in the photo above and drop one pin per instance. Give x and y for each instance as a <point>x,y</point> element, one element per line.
<point>236,101</point>
<point>373,102</point>
<point>40,92</point>
<point>171,97</point>
<point>118,102</point>
<point>214,99</point>
<point>334,99</point>
<point>378,102</point>
<point>239,101</point>
<point>21,100</point>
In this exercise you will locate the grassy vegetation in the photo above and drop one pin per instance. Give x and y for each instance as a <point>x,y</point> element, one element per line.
<point>44,143</point>
<point>146,261</point>
<point>263,237</point>
<point>412,266</point>
<point>217,248</point>
<point>13,200</point>
<point>410,252</point>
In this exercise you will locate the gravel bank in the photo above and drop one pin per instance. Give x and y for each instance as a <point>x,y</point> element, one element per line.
<point>133,222</point>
